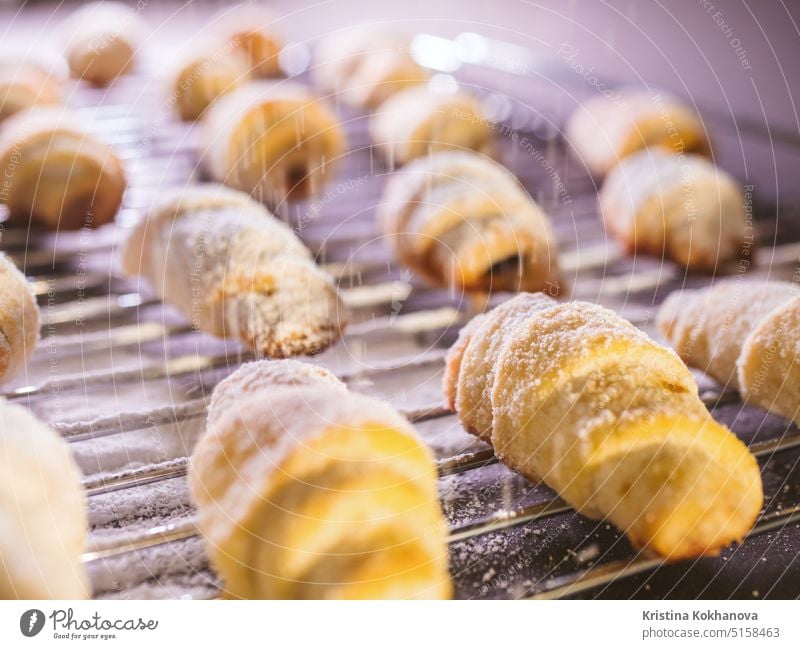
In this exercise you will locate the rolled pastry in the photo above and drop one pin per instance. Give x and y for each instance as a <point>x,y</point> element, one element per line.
<point>273,140</point>
<point>235,271</point>
<point>251,30</point>
<point>583,401</point>
<point>56,173</point>
<point>418,120</point>
<point>260,377</point>
<point>365,66</point>
<point>25,83</point>
<point>308,491</point>
<point>683,207</point>
<point>453,360</point>
<point>744,335</point>
<point>605,130</point>
<point>42,511</point>
<point>102,41</point>
<point>202,77</point>
<point>463,221</point>
<point>19,319</point>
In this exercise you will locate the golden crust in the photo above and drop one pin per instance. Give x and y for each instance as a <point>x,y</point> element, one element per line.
<point>25,84</point>
<point>365,66</point>
<point>683,208</point>
<point>102,40</point>
<point>742,334</point>
<point>603,131</point>
<point>479,359</point>
<point>202,77</point>
<point>262,377</point>
<point>310,491</point>
<point>235,271</point>
<point>274,140</point>
<point>463,221</point>
<point>455,355</point>
<point>57,174</point>
<point>416,121</point>
<point>769,365</point>
<point>709,327</point>
<point>19,319</point>
<point>587,403</point>
<point>251,30</point>
<point>42,511</point>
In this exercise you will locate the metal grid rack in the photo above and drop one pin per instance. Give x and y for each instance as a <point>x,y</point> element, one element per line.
<point>125,380</point>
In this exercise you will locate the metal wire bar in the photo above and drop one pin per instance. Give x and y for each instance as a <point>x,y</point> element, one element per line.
<point>184,366</point>
<point>127,422</point>
<point>135,335</point>
<point>176,468</point>
<point>496,522</point>
<point>554,588</point>
<point>575,583</point>
<point>101,309</point>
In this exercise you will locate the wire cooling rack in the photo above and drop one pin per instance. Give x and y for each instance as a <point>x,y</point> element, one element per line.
<point>126,380</point>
